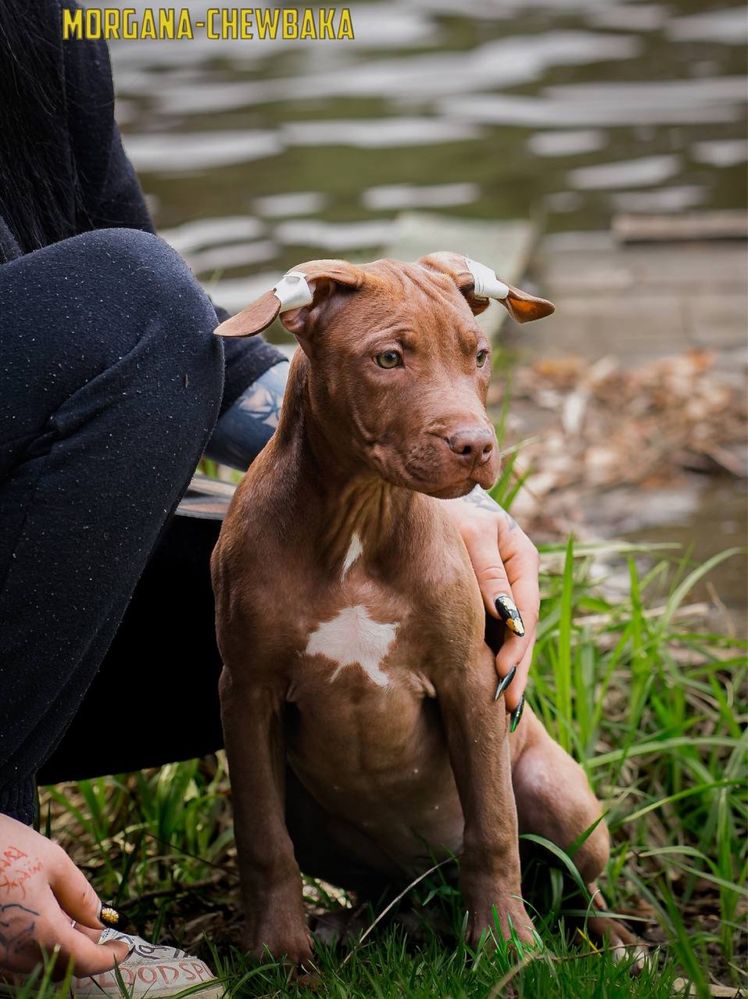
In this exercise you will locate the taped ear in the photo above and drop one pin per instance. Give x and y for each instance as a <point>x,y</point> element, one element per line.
<point>479,284</point>
<point>294,298</point>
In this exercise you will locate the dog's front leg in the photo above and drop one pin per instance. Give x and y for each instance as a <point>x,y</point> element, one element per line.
<point>477,737</point>
<point>270,878</point>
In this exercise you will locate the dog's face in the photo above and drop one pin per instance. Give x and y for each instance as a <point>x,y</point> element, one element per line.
<point>402,367</point>
<point>398,369</point>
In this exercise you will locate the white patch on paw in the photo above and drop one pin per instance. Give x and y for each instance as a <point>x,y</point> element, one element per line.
<point>621,952</point>
<point>355,549</point>
<point>352,638</point>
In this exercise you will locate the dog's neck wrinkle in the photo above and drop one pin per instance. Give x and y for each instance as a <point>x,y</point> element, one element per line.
<point>353,500</point>
<point>369,510</point>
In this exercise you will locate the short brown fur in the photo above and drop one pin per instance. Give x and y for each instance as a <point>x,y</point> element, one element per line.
<point>382,778</point>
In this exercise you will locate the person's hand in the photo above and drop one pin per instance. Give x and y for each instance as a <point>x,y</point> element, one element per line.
<point>506,564</point>
<point>42,896</point>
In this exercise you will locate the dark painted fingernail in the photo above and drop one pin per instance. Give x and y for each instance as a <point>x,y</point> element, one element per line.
<point>108,915</point>
<point>509,614</point>
<point>517,714</point>
<point>504,683</point>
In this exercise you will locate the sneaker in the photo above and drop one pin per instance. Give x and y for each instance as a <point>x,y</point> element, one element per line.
<point>150,971</point>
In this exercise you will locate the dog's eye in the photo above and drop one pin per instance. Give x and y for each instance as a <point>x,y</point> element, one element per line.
<point>481,358</point>
<point>389,359</point>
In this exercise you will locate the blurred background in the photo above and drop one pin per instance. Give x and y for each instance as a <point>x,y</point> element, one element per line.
<point>613,130</point>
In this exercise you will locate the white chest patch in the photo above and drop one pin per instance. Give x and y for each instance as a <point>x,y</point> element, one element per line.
<point>352,638</point>
<point>355,549</point>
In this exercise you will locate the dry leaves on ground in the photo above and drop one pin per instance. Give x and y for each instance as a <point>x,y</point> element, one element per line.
<point>605,426</point>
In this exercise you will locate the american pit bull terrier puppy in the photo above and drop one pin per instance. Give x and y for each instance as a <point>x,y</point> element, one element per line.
<point>350,621</point>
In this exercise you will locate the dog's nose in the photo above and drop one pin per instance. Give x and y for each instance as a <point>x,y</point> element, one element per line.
<point>473,444</point>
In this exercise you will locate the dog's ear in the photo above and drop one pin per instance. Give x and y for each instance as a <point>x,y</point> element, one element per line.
<point>479,285</point>
<point>296,298</point>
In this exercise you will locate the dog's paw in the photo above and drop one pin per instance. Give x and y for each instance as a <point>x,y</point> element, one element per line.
<point>620,941</point>
<point>507,917</point>
<point>283,943</point>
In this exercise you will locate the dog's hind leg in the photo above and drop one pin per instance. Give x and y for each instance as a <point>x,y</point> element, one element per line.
<point>555,801</point>
<point>554,798</point>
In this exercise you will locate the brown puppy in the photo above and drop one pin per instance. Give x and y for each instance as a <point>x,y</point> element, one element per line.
<point>350,621</point>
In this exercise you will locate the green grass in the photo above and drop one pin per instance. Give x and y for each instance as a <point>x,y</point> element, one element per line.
<point>652,709</point>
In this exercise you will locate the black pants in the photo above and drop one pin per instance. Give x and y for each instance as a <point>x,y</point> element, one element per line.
<point>110,384</point>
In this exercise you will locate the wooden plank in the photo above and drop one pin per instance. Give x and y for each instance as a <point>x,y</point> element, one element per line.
<point>206,497</point>
<point>678,228</point>
<point>204,507</point>
<point>504,246</point>
<point>204,486</point>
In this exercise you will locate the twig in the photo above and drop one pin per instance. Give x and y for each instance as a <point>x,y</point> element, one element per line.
<point>391,906</point>
<point>192,856</point>
<point>148,896</point>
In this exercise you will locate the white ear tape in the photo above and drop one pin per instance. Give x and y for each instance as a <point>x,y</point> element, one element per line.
<point>487,285</point>
<point>292,291</point>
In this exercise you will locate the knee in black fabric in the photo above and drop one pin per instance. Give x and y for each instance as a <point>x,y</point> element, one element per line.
<point>145,276</point>
<point>165,285</point>
<point>152,307</point>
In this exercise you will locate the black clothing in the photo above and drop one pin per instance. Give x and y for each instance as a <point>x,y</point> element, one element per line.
<point>155,698</point>
<point>110,385</point>
<point>107,188</point>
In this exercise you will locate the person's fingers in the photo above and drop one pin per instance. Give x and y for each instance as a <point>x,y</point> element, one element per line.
<point>516,689</point>
<point>506,565</point>
<point>87,957</point>
<point>72,890</point>
<point>47,930</point>
<point>517,652</point>
<point>521,563</point>
<point>483,551</point>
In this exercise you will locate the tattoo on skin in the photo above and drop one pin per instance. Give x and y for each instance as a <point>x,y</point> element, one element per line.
<point>17,928</point>
<point>263,403</point>
<point>480,498</point>
<point>16,868</point>
<point>9,856</point>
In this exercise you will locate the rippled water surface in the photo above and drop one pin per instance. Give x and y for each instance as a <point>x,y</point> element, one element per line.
<point>566,110</point>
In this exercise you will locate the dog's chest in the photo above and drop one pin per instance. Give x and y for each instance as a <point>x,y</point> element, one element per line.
<point>355,639</point>
<point>372,632</point>
<point>365,734</point>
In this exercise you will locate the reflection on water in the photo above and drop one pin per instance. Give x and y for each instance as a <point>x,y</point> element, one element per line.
<point>567,142</point>
<point>646,172</point>
<point>575,108</point>
<point>405,196</point>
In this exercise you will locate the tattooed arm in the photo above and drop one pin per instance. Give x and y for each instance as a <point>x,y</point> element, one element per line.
<point>506,565</point>
<point>43,896</point>
<point>246,427</point>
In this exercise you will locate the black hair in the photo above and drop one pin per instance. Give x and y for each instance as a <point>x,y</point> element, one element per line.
<point>38,180</point>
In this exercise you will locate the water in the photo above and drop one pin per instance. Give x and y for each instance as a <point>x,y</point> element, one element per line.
<point>567,110</point>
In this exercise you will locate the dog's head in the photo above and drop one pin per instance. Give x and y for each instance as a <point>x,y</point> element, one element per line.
<point>398,365</point>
